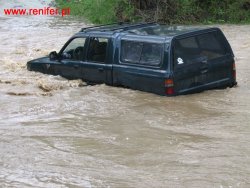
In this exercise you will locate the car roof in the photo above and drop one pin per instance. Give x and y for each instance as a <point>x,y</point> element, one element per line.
<point>144,29</point>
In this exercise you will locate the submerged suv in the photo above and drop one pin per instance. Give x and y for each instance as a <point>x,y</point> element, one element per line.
<point>166,60</point>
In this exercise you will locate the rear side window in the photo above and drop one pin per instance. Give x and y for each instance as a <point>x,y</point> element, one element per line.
<point>143,53</point>
<point>199,48</point>
<point>97,50</point>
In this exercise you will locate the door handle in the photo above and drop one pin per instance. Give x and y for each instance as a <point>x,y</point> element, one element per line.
<point>76,66</point>
<point>203,71</point>
<point>204,66</point>
<point>204,61</point>
<point>100,69</point>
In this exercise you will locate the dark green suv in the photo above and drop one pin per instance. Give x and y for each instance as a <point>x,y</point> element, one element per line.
<point>166,60</point>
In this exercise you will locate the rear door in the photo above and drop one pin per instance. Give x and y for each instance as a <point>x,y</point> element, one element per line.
<point>97,67</point>
<point>218,54</point>
<point>190,69</point>
<point>202,61</point>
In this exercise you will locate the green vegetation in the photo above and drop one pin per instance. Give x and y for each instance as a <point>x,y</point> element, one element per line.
<point>166,11</point>
<point>97,11</point>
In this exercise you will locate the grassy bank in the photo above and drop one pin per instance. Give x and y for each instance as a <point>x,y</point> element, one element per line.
<point>166,11</point>
<point>96,11</point>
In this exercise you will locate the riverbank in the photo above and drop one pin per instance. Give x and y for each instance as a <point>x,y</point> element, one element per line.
<point>165,11</point>
<point>56,133</point>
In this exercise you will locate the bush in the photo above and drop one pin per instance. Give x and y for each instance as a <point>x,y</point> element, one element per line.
<point>166,11</point>
<point>96,11</point>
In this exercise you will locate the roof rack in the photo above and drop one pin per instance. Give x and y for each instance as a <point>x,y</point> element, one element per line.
<point>132,26</point>
<point>121,26</point>
<point>99,26</point>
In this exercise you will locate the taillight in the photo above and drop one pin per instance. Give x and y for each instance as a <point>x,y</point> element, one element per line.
<point>234,71</point>
<point>169,85</point>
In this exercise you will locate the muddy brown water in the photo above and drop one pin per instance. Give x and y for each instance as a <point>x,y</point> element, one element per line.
<point>58,133</point>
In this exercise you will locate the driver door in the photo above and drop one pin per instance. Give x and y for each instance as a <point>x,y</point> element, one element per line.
<point>72,55</point>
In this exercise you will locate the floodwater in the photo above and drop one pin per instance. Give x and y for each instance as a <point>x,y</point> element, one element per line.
<point>60,133</point>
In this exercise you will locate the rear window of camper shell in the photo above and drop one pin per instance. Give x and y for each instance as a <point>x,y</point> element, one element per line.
<point>206,47</point>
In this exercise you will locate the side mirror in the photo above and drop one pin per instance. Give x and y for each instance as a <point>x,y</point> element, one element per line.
<point>53,55</point>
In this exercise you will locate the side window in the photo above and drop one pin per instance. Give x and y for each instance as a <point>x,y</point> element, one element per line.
<point>144,53</point>
<point>75,49</point>
<point>131,51</point>
<point>97,49</point>
<point>151,54</point>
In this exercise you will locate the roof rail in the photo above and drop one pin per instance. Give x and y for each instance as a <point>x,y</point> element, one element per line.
<point>132,26</point>
<point>99,26</point>
<point>121,26</point>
